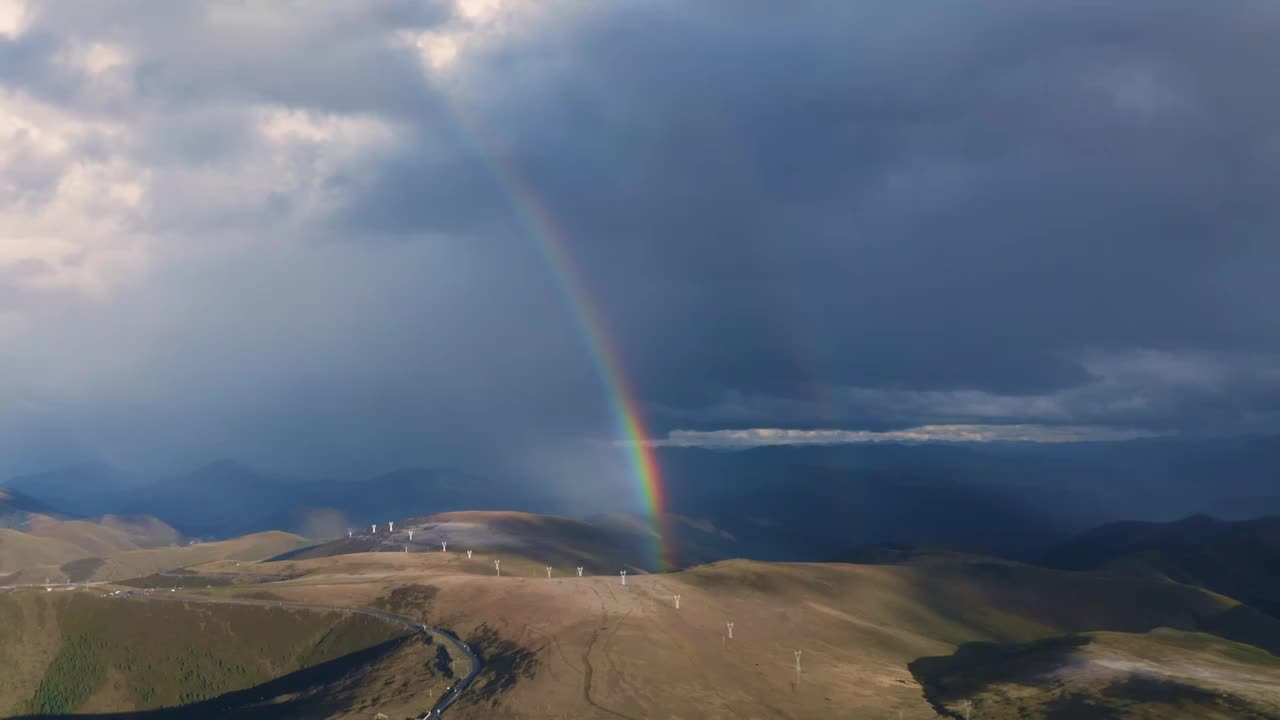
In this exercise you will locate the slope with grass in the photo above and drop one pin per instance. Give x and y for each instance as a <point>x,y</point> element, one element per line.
<point>137,563</point>
<point>82,652</point>
<point>21,551</point>
<point>1104,675</point>
<point>1238,559</point>
<point>592,648</point>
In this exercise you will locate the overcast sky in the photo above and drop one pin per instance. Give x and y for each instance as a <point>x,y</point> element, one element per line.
<point>283,232</point>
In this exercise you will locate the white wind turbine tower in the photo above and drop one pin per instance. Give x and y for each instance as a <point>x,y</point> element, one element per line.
<point>623,573</point>
<point>468,554</point>
<point>410,536</point>
<point>497,565</point>
<point>391,527</point>
<point>797,667</point>
<point>444,547</point>
<point>730,626</point>
<point>677,597</point>
<point>548,571</point>
<point>374,531</point>
<point>579,571</point>
<point>406,548</point>
<point>348,533</point>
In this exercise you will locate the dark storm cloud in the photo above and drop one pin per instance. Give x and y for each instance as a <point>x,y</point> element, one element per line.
<point>803,215</point>
<point>805,198</point>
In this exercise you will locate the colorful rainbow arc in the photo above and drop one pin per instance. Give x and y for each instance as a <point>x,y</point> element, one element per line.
<point>596,339</point>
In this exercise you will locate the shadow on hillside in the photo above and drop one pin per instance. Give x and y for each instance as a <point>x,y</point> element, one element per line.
<point>975,666</point>
<point>306,693</point>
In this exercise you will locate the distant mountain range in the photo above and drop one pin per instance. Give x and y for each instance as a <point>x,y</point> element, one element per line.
<point>773,503</point>
<point>227,498</point>
<point>1237,559</point>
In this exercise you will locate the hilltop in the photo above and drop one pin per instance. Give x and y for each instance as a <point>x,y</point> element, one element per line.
<point>604,543</point>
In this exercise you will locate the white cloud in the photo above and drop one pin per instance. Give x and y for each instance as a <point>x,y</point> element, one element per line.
<point>14,18</point>
<point>757,437</point>
<point>66,214</point>
<point>474,26</point>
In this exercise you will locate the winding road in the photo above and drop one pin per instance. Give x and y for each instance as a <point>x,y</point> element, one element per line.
<point>437,711</point>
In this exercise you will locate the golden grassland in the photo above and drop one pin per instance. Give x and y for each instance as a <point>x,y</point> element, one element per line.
<point>913,640</point>
<point>590,647</point>
<point>145,561</point>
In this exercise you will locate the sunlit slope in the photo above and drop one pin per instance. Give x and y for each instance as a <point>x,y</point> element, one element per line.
<point>81,652</point>
<point>135,563</point>
<point>19,550</point>
<point>92,539</point>
<point>592,647</point>
<point>46,543</point>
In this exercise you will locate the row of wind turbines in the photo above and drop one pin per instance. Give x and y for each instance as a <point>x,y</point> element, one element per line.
<point>497,567</point>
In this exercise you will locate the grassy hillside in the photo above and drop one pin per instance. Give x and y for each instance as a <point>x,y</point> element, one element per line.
<point>1238,559</point>
<point>137,563</point>
<point>90,537</point>
<point>145,531</point>
<point>591,648</point>
<point>1161,674</point>
<point>249,548</point>
<point>19,551</point>
<point>45,544</point>
<point>82,652</point>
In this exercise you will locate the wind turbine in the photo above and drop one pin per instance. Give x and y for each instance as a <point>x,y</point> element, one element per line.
<point>548,571</point>
<point>677,597</point>
<point>730,626</point>
<point>391,527</point>
<point>497,565</point>
<point>579,571</point>
<point>623,573</point>
<point>374,531</point>
<point>468,554</point>
<point>348,533</point>
<point>444,547</point>
<point>797,667</point>
<point>410,536</point>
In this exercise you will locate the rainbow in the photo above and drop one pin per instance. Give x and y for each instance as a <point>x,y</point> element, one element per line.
<point>596,339</point>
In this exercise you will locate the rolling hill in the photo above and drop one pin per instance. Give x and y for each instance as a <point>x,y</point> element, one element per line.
<point>591,647</point>
<point>20,551</point>
<point>1160,674</point>
<point>1237,559</point>
<point>84,653</point>
<point>920,636</point>
<point>601,544</point>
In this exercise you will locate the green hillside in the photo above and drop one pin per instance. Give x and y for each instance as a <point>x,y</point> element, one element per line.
<point>82,652</point>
